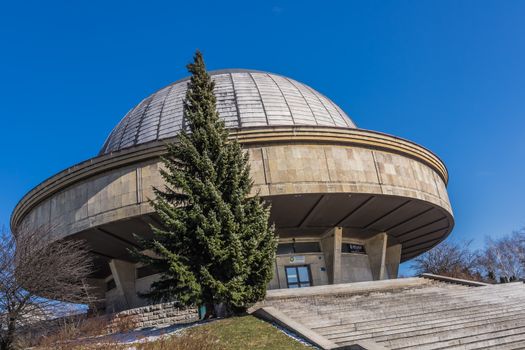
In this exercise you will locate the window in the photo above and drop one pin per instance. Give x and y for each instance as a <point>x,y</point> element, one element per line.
<point>298,276</point>
<point>301,247</point>
<point>353,248</point>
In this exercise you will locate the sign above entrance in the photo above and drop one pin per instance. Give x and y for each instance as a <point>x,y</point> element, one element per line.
<point>353,248</point>
<point>297,259</point>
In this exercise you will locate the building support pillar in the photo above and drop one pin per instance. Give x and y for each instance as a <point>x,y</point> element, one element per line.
<point>331,245</point>
<point>392,260</point>
<point>376,251</point>
<point>124,275</point>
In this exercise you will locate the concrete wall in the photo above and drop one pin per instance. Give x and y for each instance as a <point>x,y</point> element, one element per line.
<point>115,301</point>
<point>331,246</point>
<point>124,274</point>
<point>275,282</point>
<point>104,198</point>
<point>156,315</point>
<point>380,262</point>
<point>355,268</point>
<point>297,168</point>
<point>376,251</point>
<point>392,260</point>
<point>128,288</point>
<point>316,262</point>
<point>119,193</point>
<point>143,284</point>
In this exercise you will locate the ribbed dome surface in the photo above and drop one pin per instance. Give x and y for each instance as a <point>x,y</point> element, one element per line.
<point>244,99</point>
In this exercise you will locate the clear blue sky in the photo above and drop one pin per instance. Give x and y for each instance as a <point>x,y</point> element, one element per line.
<point>449,75</point>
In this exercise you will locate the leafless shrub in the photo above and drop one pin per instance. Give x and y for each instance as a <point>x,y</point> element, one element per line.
<point>504,258</point>
<point>35,277</point>
<point>95,334</point>
<point>81,333</point>
<point>501,260</point>
<point>450,258</point>
<point>183,341</point>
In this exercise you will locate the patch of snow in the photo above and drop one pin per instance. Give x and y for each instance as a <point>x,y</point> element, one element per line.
<point>147,335</point>
<point>295,336</point>
<point>144,335</point>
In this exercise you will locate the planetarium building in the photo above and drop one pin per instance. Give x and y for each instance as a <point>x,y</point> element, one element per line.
<point>348,204</point>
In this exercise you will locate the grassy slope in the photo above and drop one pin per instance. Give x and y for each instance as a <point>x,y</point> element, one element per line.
<point>236,333</point>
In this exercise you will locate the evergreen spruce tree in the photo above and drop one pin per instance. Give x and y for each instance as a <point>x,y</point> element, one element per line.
<point>215,244</point>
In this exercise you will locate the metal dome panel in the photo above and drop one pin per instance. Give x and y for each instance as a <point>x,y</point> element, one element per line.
<point>244,99</point>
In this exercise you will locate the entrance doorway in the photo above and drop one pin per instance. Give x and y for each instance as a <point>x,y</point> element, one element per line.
<point>298,276</point>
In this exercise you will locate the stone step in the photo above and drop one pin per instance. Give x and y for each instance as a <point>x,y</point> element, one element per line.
<point>370,300</point>
<point>348,289</point>
<point>517,344</point>
<point>445,339</point>
<point>404,303</point>
<point>408,323</point>
<point>376,293</point>
<point>407,302</point>
<point>363,318</point>
<point>330,300</point>
<point>310,310</point>
<point>419,315</point>
<point>487,341</point>
<point>429,317</point>
<point>424,330</point>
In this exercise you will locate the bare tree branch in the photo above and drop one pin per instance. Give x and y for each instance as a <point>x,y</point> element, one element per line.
<point>450,258</point>
<point>504,258</point>
<point>36,276</point>
<point>501,260</point>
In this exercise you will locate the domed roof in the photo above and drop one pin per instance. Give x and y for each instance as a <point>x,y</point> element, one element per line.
<point>245,98</point>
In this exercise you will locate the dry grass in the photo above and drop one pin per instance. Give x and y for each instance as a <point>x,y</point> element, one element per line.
<point>235,333</point>
<point>82,332</point>
<point>185,341</point>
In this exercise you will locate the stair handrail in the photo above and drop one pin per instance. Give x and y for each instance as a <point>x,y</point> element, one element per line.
<point>453,280</point>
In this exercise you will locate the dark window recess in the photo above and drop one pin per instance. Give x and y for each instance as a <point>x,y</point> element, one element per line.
<point>302,247</point>
<point>110,285</point>
<point>353,248</point>
<point>298,276</point>
<point>148,270</point>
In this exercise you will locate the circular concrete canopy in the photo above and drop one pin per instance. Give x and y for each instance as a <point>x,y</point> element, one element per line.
<point>245,98</point>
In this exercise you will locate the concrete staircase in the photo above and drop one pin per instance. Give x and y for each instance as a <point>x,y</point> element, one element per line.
<point>420,314</point>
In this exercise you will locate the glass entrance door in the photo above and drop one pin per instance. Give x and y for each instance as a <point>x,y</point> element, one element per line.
<point>298,276</point>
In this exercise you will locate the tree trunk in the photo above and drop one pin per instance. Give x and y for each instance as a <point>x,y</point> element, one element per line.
<point>221,310</point>
<point>7,341</point>
<point>210,311</point>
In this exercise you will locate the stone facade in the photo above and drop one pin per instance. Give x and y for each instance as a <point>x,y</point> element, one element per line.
<point>326,185</point>
<point>157,315</point>
<point>281,169</point>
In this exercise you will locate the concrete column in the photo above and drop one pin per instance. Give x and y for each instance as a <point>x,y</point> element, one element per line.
<point>331,245</point>
<point>392,260</point>
<point>376,251</point>
<point>124,275</point>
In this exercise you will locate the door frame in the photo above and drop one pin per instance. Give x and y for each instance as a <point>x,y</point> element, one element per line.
<point>297,270</point>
